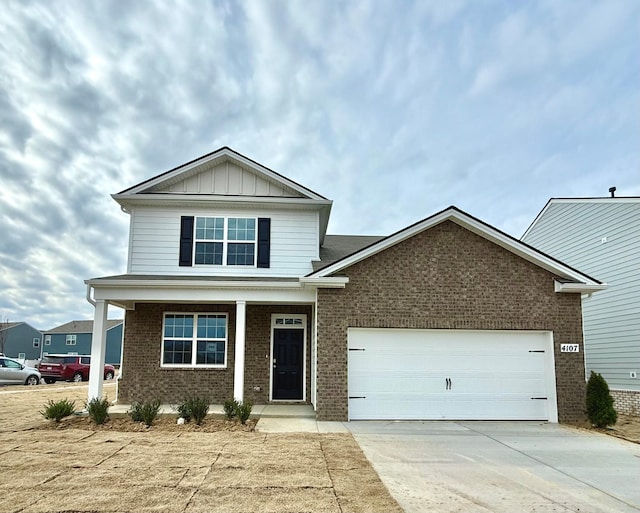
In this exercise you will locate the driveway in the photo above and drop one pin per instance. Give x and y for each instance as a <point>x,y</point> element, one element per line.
<point>480,467</point>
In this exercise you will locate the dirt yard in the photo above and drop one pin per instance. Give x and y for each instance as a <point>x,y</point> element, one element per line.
<point>78,467</point>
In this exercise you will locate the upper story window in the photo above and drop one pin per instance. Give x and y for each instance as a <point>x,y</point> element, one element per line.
<point>47,340</point>
<point>70,340</point>
<point>225,241</point>
<point>36,342</point>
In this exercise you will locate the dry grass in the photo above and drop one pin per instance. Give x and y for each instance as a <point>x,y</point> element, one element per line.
<point>79,467</point>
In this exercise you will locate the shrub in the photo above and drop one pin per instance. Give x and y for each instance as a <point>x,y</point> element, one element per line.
<point>58,410</point>
<point>198,408</point>
<point>183,411</point>
<point>243,410</point>
<point>599,402</point>
<point>230,408</point>
<point>144,412</point>
<point>98,410</point>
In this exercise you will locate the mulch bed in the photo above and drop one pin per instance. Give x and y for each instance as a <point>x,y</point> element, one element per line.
<point>164,423</point>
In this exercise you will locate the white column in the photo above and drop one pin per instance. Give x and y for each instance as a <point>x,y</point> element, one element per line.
<point>98,350</point>
<point>238,371</point>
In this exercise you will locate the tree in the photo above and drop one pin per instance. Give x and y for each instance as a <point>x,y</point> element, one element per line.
<point>599,402</point>
<point>4,324</point>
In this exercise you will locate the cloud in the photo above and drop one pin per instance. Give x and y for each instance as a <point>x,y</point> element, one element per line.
<point>393,110</point>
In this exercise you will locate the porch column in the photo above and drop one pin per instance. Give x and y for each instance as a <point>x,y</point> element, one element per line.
<point>238,371</point>
<point>98,350</point>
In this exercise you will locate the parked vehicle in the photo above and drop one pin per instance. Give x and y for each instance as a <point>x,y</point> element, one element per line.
<point>64,367</point>
<point>14,372</point>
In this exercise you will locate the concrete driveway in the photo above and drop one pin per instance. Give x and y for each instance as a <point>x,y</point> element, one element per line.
<point>480,467</point>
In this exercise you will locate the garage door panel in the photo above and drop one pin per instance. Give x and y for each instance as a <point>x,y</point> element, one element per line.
<point>448,374</point>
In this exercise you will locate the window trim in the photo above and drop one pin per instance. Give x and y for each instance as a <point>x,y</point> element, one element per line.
<point>225,241</point>
<point>194,342</point>
<point>36,342</point>
<point>70,340</point>
<point>47,340</point>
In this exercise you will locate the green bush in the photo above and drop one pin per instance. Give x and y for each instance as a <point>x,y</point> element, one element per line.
<point>144,412</point>
<point>230,408</point>
<point>198,408</point>
<point>58,410</point>
<point>98,410</point>
<point>599,402</point>
<point>243,410</point>
<point>183,411</point>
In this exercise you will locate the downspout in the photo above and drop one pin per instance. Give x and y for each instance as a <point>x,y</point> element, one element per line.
<point>88,296</point>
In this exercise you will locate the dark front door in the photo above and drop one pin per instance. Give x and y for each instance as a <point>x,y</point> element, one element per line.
<point>288,363</point>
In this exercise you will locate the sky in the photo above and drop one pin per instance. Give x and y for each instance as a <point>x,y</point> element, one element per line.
<point>393,109</point>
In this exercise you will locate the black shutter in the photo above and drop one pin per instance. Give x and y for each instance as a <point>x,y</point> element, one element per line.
<point>264,241</point>
<point>186,240</point>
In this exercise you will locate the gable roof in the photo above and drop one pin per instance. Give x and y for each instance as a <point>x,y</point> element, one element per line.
<point>227,178</point>
<point>336,247</point>
<point>9,325</point>
<point>571,279</point>
<point>607,201</point>
<point>81,327</point>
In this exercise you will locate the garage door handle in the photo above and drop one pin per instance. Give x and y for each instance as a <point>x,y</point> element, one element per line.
<point>447,383</point>
<point>357,397</point>
<point>539,398</point>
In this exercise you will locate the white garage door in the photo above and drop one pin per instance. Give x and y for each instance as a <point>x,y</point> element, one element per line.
<point>451,374</point>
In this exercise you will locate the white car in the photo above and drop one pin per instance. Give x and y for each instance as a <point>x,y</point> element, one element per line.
<point>14,372</point>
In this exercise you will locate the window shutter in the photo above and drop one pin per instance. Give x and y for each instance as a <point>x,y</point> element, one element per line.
<point>264,241</point>
<point>186,240</point>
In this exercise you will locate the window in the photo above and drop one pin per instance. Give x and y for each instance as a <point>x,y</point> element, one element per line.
<point>194,340</point>
<point>71,340</point>
<point>36,342</point>
<point>21,356</point>
<point>47,340</point>
<point>219,240</point>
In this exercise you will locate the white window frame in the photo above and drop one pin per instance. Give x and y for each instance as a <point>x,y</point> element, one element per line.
<point>194,341</point>
<point>22,356</point>
<point>70,340</point>
<point>47,340</point>
<point>36,342</point>
<point>226,242</point>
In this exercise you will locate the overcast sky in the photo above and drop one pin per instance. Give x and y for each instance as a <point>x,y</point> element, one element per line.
<point>393,109</point>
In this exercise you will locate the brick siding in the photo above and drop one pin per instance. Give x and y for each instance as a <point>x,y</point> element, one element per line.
<point>144,379</point>
<point>626,402</point>
<point>447,278</point>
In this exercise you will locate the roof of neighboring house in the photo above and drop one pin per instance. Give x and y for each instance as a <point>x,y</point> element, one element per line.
<point>336,247</point>
<point>9,325</point>
<point>81,326</point>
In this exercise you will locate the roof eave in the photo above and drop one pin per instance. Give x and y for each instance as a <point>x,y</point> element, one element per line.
<point>579,288</point>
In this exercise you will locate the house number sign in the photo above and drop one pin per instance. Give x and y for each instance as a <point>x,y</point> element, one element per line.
<point>569,348</point>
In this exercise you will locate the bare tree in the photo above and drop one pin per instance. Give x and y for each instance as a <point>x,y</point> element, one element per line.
<point>4,330</point>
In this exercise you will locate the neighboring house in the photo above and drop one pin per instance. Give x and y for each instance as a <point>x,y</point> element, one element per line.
<point>20,340</point>
<point>75,338</point>
<point>601,236</point>
<point>233,289</point>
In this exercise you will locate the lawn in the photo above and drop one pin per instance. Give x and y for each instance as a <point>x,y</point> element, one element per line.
<point>93,470</point>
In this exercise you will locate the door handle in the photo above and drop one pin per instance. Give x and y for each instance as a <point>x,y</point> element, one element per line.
<point>447,383</point>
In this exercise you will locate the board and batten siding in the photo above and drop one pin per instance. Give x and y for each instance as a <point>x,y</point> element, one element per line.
<point>602,239</point>
<point>155,235</point>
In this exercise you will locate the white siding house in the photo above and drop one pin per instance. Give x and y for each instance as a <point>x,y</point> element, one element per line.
<point>601,237</point>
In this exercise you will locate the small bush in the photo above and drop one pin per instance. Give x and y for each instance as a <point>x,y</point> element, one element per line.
<point>98,410</point>
<point>230,408</point>
<point>198,408</point>
<point>183,411</point>
<point>599,402</point>
<point>144,412</point>
<point>243,410</point>
<point>58,410</point>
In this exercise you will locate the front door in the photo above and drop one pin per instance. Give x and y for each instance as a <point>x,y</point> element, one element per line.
<point>288,364</point>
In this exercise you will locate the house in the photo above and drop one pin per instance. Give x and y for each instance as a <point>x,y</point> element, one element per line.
<point>74,337</point>
<point>20,340</point>
<point>234,289</point>
<point>601,236</point>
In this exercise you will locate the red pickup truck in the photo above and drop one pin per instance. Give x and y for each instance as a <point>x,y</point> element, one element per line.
<point>64,367</point>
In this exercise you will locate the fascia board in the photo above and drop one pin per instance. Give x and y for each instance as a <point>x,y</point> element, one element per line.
<point>231,155</point>
<point>191,284</point>
<point>578,288</point>
<point>475,226</point>
<point>331,282</point>
<point>164,199</point>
